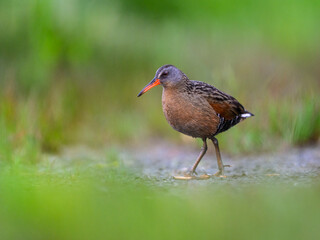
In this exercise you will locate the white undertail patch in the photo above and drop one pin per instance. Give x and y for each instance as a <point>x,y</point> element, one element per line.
<point>246,115</point>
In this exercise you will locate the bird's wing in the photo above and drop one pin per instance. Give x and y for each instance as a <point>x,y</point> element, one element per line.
<point>223,104</point>
<point>226,106</point>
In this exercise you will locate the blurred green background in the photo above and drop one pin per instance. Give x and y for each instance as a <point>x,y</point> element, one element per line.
<point>70,72</point>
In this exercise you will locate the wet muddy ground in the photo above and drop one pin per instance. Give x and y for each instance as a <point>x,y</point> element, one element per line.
<point>158,164</point>
<point>296,166</point>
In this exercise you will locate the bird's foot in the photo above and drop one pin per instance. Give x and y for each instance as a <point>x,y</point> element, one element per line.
<point>192,176</point>
<point>220,173</point>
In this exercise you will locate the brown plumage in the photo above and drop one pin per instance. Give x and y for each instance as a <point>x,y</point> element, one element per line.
<point>196,109</point>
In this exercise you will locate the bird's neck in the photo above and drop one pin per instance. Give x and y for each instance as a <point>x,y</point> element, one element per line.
<point>177,87</point>
<point>172,94</point>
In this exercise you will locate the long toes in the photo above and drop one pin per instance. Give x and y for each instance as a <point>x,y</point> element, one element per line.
<point>222,176</point>
<point>219,174</point>
<point>192,176</point>
<point>186,177</point>
<point>226,165</point>
<point>204,176</point>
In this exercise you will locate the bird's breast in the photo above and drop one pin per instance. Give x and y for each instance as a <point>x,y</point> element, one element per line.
<point>189,114</point>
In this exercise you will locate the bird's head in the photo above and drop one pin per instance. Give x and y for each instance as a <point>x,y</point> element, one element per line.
<point>168,76</point>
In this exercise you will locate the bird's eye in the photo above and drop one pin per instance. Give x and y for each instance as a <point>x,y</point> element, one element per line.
<point>164,74</point>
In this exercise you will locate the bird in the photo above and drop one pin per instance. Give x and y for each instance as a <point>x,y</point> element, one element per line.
<point>196,109</point>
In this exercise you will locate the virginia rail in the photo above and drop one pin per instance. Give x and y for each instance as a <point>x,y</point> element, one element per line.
<point>196,109</point>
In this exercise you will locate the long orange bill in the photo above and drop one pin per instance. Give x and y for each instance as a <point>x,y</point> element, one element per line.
<point>153,83</point>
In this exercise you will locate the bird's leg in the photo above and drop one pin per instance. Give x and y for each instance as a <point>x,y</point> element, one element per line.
<point>220,173</point>
<point>192,173</point>
<point>202,153</point>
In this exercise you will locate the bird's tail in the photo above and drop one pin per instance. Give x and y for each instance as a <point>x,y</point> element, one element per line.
<point>246,114</point>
